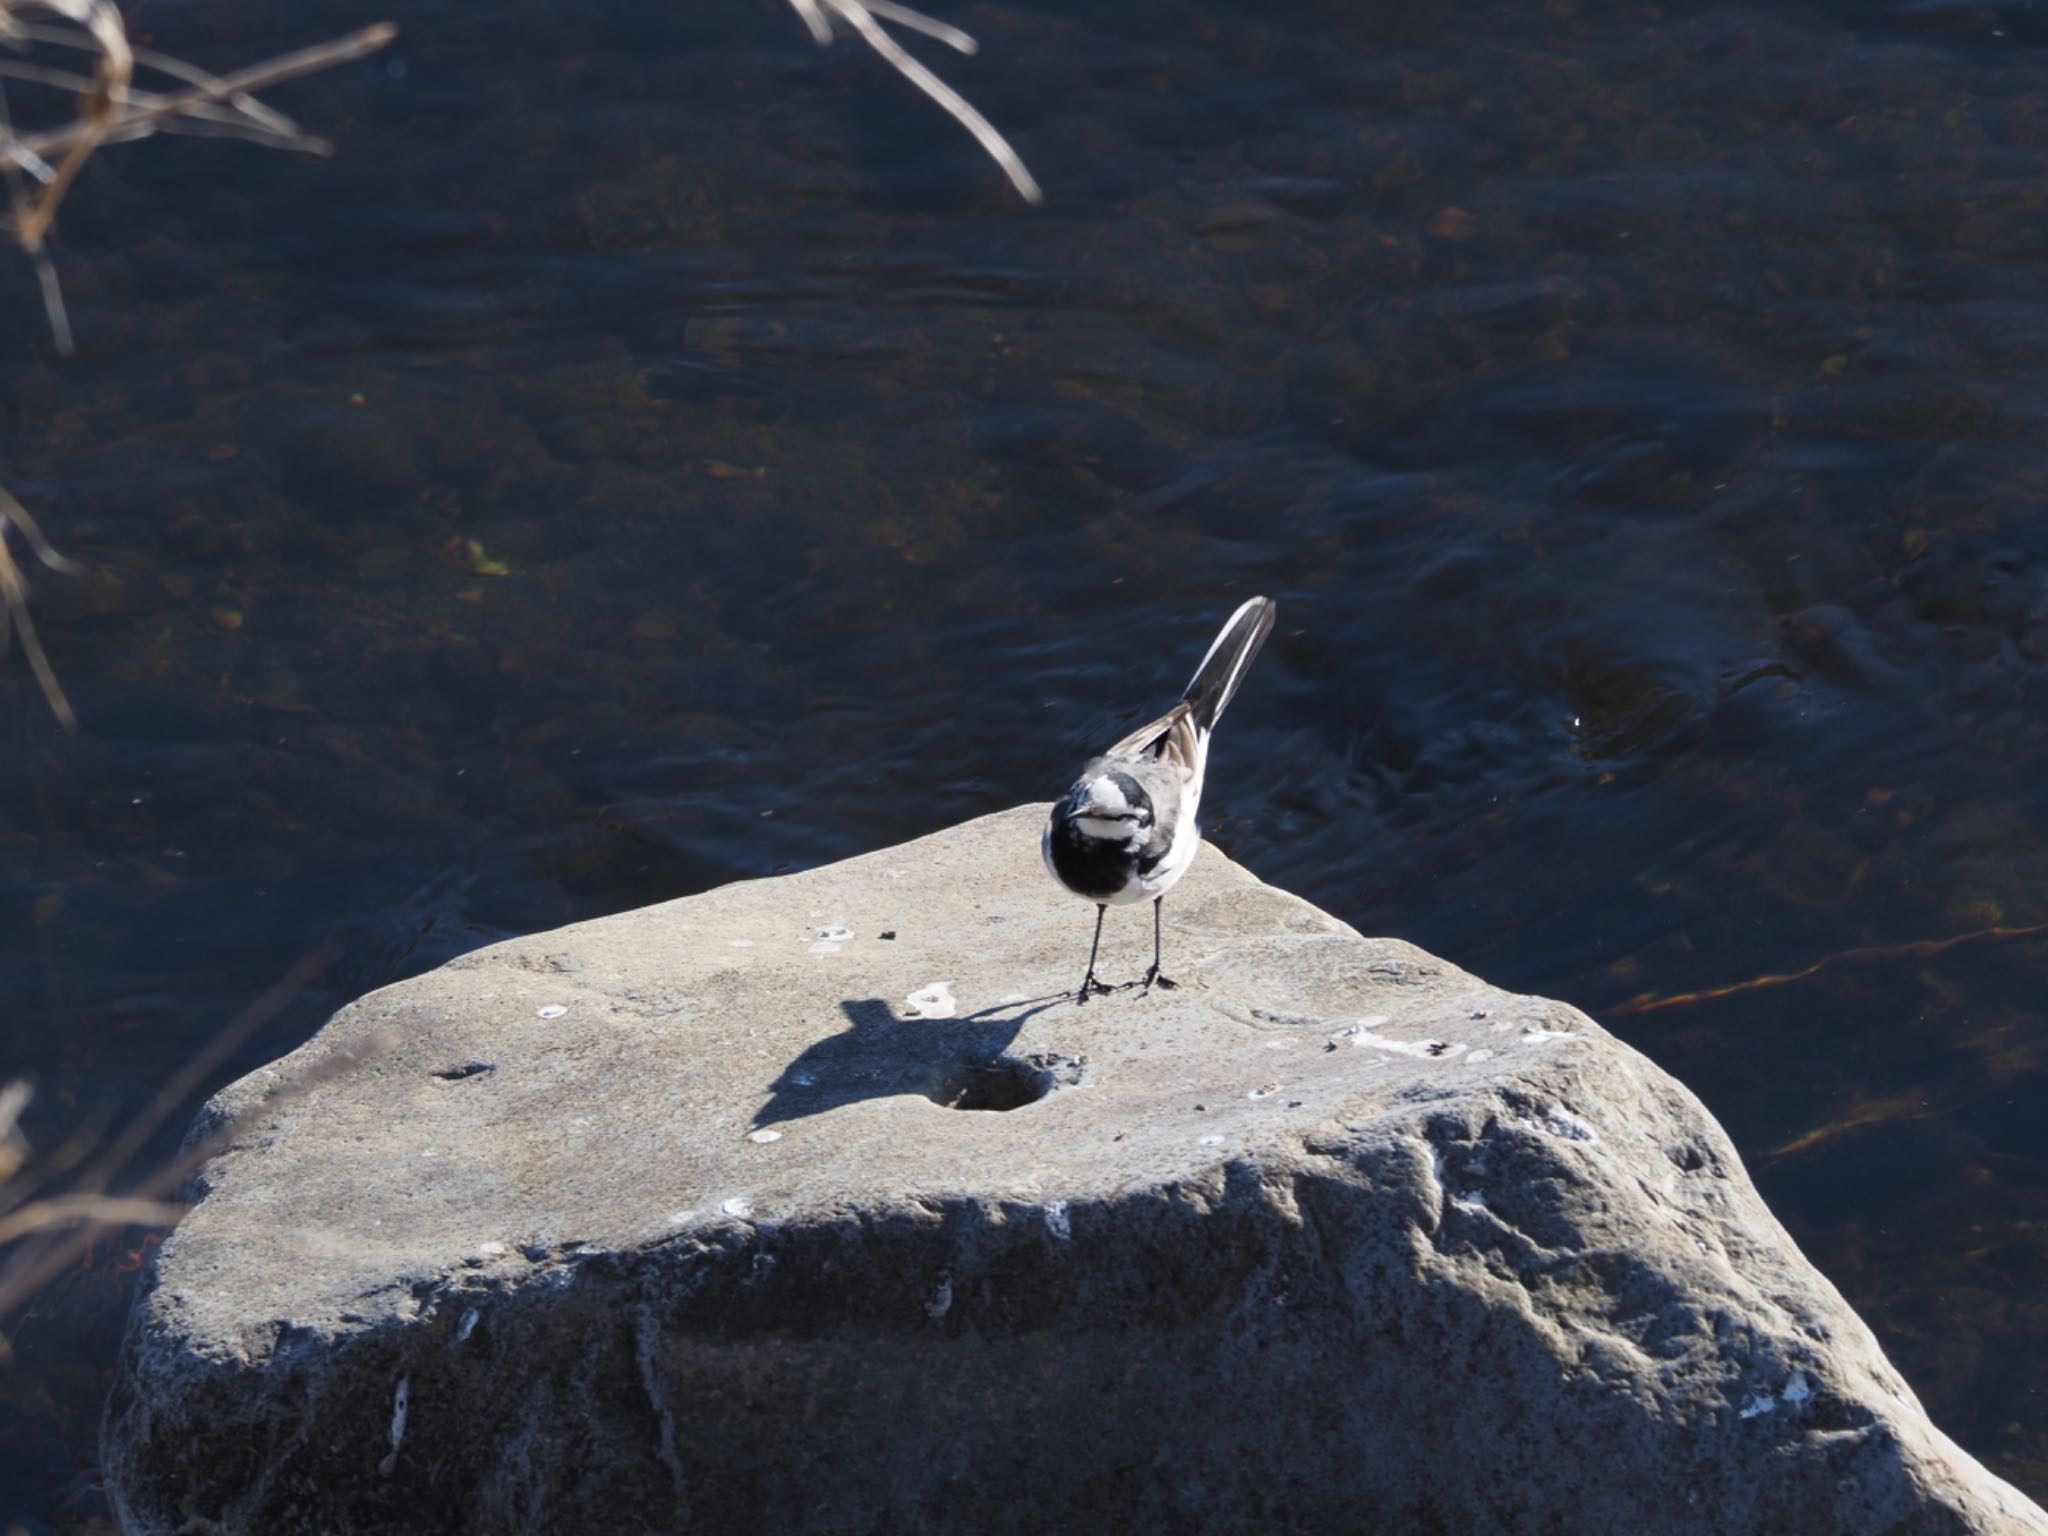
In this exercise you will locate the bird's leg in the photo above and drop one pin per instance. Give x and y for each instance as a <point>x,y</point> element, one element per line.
<point>1152,977</point>
<point>1089,985</point>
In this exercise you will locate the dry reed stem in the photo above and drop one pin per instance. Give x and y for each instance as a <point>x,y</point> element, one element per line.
<point>112,109</point>
<point>39,168</point>
<point>865,17</point>
<point>14,614</point>
<point>146,113</point>
<point>48,1229</point>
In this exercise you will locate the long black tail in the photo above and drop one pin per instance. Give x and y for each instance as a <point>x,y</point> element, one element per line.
<point>1216,679</point>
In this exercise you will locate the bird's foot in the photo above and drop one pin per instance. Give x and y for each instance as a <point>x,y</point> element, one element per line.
<point>1090,987</point>
<point>1154,979</point>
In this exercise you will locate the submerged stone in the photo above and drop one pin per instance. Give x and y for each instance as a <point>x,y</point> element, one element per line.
<point>688,1220</point>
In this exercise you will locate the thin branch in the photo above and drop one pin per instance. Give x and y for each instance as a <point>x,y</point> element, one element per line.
<point>260,126</point>
<point>111,110</point>
<point>101,1210</point>
<point>97,108</point>
<point>182,1083</point>
<point>814,18</point>
<point>14,513</point>
<point>14,1147</point>
<point>862,17</point>
<point>88,1210</point>
<point>165,64</point>
<point>256,77</point>
<point>14,614</point>
<point>917,21</point>
<point>22,206</point>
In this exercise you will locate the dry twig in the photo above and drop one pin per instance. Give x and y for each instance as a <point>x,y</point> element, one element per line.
<point>865,17</point>
<point>38,168</point>
<point>14,614</point>
<point>149,112</point>
<point>47,1229</point>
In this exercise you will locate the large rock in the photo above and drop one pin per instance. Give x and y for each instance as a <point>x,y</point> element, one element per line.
<point>712,1217</point>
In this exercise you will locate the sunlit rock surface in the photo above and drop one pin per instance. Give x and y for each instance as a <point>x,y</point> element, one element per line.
<point>815,1204</point>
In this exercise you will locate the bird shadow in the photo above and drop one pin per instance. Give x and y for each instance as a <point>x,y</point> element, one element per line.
<point>960,1063</point>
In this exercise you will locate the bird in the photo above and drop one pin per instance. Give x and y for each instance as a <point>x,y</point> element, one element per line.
<point>1125,831</point>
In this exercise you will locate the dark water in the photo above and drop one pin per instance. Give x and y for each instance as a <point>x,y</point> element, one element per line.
<point>656,453</point>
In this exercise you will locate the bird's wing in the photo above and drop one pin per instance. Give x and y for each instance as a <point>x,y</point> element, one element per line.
<point>1182,744</point>
<point>1167,784</point>
<point>1171,736</point>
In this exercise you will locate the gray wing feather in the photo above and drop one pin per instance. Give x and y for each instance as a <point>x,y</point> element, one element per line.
<point>1165,783</point>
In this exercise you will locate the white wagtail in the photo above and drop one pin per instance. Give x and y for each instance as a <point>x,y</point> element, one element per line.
<point>1126,830</point>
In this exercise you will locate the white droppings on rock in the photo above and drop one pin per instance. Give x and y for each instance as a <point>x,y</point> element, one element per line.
<point>467,1326</point>
<point>492,1251</point>
<point>1756,1403</point>
<point>739,1206</point>
<point>1361,1036</point>
<point>552,1011</point>
<point>824,947</point>
<point>932,1001</point>
<point>835,932</point>
<point>1482,1054</point>
<point>762,1138</point>
<point>1798,1390</point>
<point>1281,1044</point>
<point>942,1299</point>
<point>1475,1201</point>
<point>1264,1091</point>
<point>1057,1222</point>
<point>1212,1141</point>
<point>1545,1036</point>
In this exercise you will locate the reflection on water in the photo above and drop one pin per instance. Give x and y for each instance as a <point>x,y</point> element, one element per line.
<point>655,453</point>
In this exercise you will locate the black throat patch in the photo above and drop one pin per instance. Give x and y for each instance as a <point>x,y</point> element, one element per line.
<point>1094,867</point>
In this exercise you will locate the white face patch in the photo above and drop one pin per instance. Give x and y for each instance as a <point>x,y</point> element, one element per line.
<point>1104,811</point>
<point>1108,831</point>
<point>1104,797</point>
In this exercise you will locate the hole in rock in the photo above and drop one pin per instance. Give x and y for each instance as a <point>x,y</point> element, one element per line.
<point>1000,1084</point>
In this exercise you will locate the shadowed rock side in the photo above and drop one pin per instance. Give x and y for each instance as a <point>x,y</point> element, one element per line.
<point>814,1205</point>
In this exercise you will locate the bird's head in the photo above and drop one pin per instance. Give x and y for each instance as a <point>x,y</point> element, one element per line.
<point>1107,803</point>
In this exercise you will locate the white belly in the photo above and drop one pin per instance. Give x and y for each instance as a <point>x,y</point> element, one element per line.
<point>1169,869</point>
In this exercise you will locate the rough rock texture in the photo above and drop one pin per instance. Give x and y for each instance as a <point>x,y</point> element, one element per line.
<point>664,1223</point>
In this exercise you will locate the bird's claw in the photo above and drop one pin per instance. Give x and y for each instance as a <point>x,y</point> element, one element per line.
<point>1154,979</point>
<point>1092,988</point>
